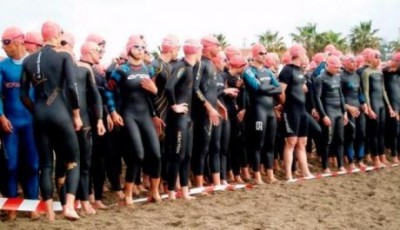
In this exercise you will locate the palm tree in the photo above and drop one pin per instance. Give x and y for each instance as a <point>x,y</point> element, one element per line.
<point>306,36</point>
<point>272,41</point>
<point>222,40</point>
<point>325,38</point>
<point>363,36</point>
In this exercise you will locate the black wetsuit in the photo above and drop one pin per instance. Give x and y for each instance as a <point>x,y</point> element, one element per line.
<point>137,112</point>
<point>330,103</point>
<point>260,118</point>
<point>376,97</point>
<point>294,110</point>
<point>205,89</point>
<point>106,157</point>
<point>49,72</point>
<point>89,99</point>
<point>355,130</point>
<point>179,136</point>
<point>392,85</point>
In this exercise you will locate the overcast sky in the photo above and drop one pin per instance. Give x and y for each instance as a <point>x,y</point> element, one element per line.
<point>241,21</point>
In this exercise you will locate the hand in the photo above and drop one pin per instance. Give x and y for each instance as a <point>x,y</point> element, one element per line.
<point>392,113</point>
<point>149,85</point>
<point>315,114</point>
<point>278,113</point>
<point>159,124</point>
<point>222,110</point>
<point>305,89</point>
<point>213,115</point>
<point>77,123</point>
<point>5,124</point>
<point>241,114</point>
<point>239,83</point>
<point>232,92</point>
<point>354,111</point>
<point>110,123</point>
<point>371,114</point>
<point>117,119</point>
<point>180,108</point>
<point>345,119</point>
<point>101,130</point>
<point>326,121</point>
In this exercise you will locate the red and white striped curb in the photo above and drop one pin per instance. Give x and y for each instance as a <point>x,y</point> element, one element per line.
<point>20,204</point>
<point>339,173</point>
<point>196,191</point>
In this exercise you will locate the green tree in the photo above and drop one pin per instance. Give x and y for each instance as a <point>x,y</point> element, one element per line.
<point>306,36</point>
<point>363,36</point>
<point>222,40</point>
<point>395,45</point>
<point>329,37</point>
<point>272,41</point>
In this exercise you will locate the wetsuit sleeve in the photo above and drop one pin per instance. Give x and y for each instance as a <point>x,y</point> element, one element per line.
<point>342,101</point>
<point>110,69</point>
<point>277,87</point>
<point>72,86</point>
<point>95,94</point>
<point>385,96</point>
<point>111,89</point>
<point>170,85</point>
<point>285,76</point>
<point>365,86</point>
<point>196,86</point>
<point>24,93</point>
<point>318,94</point>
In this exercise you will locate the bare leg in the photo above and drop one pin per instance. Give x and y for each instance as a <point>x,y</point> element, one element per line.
<point>290,143</point>
<point>216,178</point>
<point>302,156</point>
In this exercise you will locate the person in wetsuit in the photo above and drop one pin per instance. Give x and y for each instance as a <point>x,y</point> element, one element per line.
<point>331,106</point>
<point>90,99</point>
<point>294,112</point>
<point>49,71</point>
<point>391,76</point>
<point>162,72</point>
<point>135,85</point>
<point>205,106</point>
<point>260,116</point>
<point>179,135</point>
<point>376,99</point>
<point>16,123</point>
<point>354,135</point>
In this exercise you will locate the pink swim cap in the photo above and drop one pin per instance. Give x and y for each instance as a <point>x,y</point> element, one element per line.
<point>133,41</point>
<point>50,30</point>
<point>347,59</point>
<point>286,57</point>
<point>396,57</point>
<point>33,37</point>
<point>329,48</point>
<point>237,61</point>
<point>89,46</point>
<point>68,38</point>
<point>192,46</point>
<point>220,58</point>
<point>96,38</point>
<point>318,58</point>
<point>313,65</point>
<point>257,49</point>
<point>333,61</point>
<point>13,33</point>
<point>231,51</point>
<point>169,43</point>
<point>209,41</point>
<point>337,53</point>
<point>296,51</point>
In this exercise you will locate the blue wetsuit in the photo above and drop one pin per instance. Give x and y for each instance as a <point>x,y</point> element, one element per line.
<point>19,145</point>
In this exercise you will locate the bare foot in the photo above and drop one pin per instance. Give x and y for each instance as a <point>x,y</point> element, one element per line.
<point>188,197</point>
<point>142,188</point>
<point>272,180</point>
<point>327,170</point>
<point>51,216</point>
<point>71,214</point>
<point>239,180</point>
<point>87,208</point>
<point>395,159</point>
<point>362,165</point>
<point>352,166</point>
<point>155,197</point>
<point>98,204</point>
<point>12,215</point>
<point>171,195</point>
<point>34,215</point>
